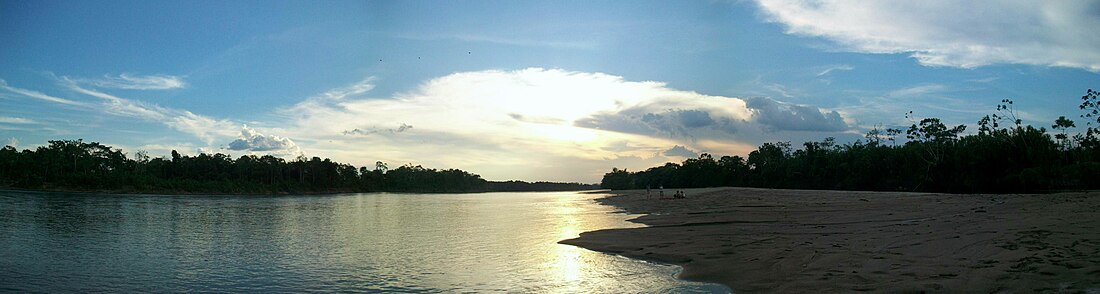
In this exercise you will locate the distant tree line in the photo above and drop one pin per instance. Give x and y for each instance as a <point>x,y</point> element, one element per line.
<point>1003,156</point>
<point>81,166</point>
<point>519,186</point>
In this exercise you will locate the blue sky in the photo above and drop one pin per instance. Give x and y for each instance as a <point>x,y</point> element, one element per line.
<point>559,90</point>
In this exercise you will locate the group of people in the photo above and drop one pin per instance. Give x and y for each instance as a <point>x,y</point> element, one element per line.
<point>661,193</point>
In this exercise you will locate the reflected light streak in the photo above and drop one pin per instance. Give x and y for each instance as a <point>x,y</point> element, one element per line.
<point>567,258</point>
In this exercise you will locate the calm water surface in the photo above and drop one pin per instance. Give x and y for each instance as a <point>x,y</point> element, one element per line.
<point>55,242</point>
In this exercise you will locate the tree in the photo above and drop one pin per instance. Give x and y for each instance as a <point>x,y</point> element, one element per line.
<point>1063,124</point>
<point>75,164</point>
<point>1090,108</point>
<point>1004,156</point>
<point>617,179</point>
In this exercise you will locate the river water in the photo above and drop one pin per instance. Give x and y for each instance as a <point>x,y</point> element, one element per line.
<point>378,242</point>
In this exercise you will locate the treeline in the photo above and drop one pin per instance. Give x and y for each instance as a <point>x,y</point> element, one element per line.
<point>521,186</point>
<point>1003,156</point>
<point>82,166</point>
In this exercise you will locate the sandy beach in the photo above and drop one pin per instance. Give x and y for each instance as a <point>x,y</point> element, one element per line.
<point>763,240</point>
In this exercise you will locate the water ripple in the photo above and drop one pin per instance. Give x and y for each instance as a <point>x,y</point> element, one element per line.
<point>496,242</point>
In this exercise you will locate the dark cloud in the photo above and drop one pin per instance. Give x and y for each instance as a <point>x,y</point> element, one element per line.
<point>680,151</point>
<point>790,117</point>
<point>616,122</point>
<point>672,122</point>
<point>402,128</point>
<point>695,118</point>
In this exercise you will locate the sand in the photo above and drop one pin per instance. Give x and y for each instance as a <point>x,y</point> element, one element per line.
<point>764,240</point>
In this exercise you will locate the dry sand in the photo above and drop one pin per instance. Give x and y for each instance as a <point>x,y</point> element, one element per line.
<point>763,240</point>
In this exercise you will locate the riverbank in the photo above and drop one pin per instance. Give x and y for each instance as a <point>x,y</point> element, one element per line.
<point>135,191</point>
<point>764,240</point>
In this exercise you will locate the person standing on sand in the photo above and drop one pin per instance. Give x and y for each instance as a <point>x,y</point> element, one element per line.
<point>662,191</point>
<point>646,191</point>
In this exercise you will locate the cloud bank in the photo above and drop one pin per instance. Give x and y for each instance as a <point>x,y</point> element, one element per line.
<point>538,123</point>
<point>963,34</point>
<point>776,115</point>
<point>534,123</point>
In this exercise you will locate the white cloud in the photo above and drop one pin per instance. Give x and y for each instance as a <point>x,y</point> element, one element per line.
<point>15,120</point>
<point>39,95</point>
<point>402,128</point>
<point>205,128</point>
<point>532,123</point>
<point>251,140</point>
<point>355,89</point>
<point>953,33</point>
<point>13,142</point>
<point>124,81</point>
<point>917,90</point>
<point>841,67</point>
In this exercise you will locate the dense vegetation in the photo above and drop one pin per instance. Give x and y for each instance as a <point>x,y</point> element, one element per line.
<point>519,186</point>
<point>1003,156</point>
<point>82,166</point>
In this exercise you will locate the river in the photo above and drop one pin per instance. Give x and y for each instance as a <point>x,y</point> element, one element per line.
<point>376,242</point>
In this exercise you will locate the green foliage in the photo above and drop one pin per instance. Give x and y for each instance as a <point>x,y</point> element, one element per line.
<point>1001,157</point>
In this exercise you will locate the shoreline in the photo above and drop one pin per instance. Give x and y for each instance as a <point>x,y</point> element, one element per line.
<point>164,192</point>
<point>763,240</point>
<point>283,193</point>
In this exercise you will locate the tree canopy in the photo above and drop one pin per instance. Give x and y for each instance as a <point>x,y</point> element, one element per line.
<point>79,165</point>
<point>1003,156</point>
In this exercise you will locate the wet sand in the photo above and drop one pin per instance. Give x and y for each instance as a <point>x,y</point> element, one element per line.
<point>764,240</point>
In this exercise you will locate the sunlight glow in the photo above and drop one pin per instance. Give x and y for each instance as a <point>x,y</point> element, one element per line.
<point>497,122</point>
<point>568,258</point>
<point>564,133</point>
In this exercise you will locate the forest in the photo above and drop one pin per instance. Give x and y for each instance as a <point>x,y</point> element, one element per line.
<point>521,186</point>
<point>1003,156</point>
<point>75,165</point>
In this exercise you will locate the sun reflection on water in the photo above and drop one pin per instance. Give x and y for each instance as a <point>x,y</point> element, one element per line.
<point>567,259</point>
<point>493,242</point>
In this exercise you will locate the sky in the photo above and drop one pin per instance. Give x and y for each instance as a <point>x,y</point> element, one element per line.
<point>536,91</point>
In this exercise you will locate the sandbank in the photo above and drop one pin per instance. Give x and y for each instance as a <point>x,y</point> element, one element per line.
<point>765,240</point>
